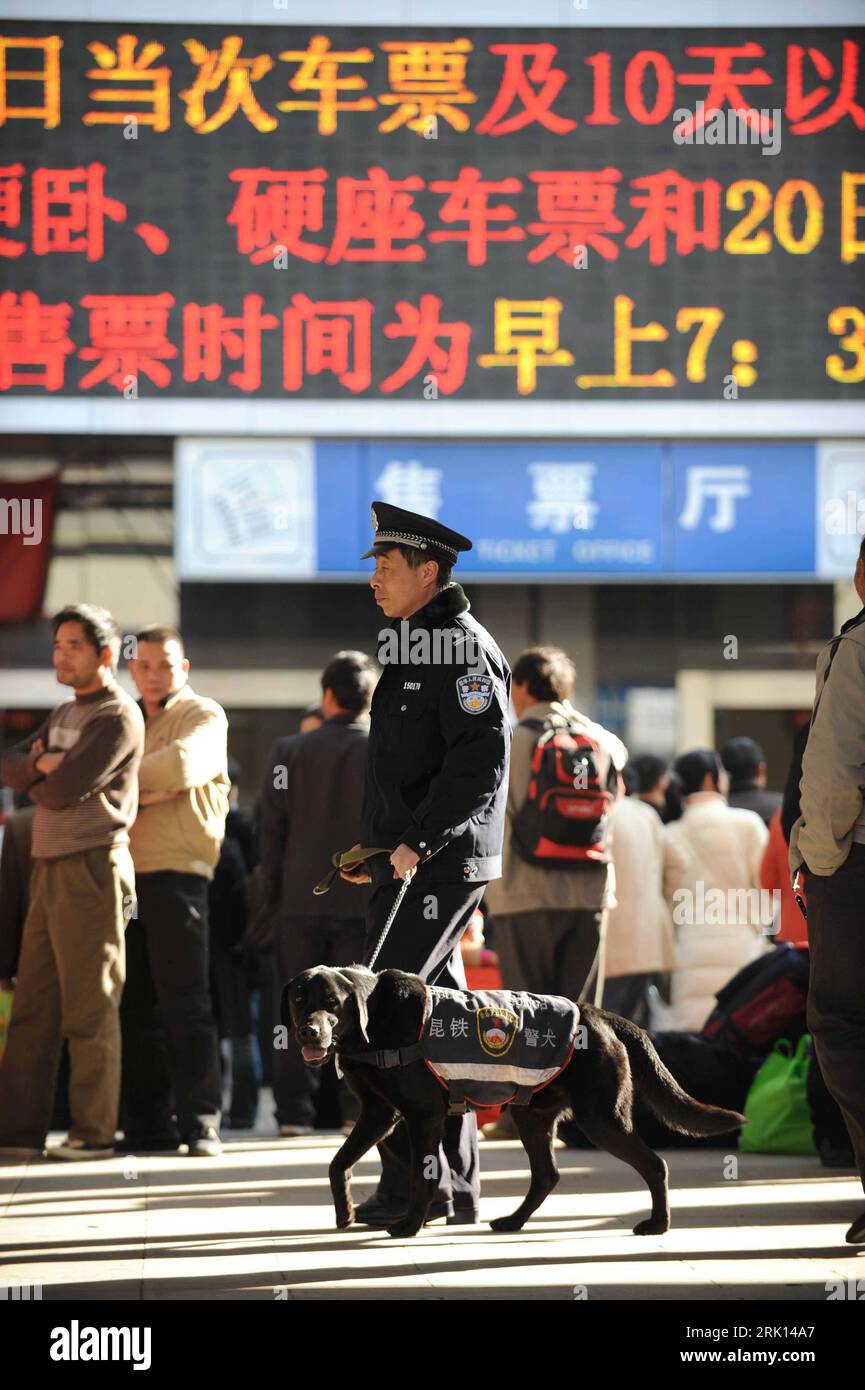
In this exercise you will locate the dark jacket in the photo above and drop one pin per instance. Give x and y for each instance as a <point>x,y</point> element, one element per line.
<point>15,869</point>
<point>308,811</point>
<point>747,796</point>
<point>437,772</point>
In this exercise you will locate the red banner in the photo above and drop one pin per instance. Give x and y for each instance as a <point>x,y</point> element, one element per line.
<point>26,528</point>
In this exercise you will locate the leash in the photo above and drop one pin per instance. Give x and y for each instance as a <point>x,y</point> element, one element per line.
<point>389,923</point>
<point>344,859</point>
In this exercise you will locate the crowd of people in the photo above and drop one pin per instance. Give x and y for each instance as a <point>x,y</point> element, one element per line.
<point>161,915</point>
<point>146,917</point>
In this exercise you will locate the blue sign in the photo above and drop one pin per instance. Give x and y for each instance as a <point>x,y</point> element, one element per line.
<point>536,508</point>
<point>742,508</point>
<point>300,509</point>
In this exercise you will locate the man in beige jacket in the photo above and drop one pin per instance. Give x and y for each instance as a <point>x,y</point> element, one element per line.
<point>169,1035</point>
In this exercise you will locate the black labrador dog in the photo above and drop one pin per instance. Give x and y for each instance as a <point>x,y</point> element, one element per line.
<point>355,1010</point>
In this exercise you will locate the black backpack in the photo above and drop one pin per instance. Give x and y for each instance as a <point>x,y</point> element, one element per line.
<point>563,821</point>
<point>764,1002</point>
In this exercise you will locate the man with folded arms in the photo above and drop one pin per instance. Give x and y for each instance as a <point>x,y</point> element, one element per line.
<point>80,768</point>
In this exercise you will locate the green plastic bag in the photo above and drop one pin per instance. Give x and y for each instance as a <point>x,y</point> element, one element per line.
<point>779,1121</point>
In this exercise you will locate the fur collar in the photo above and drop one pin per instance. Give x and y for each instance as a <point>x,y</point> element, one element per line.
<point>441,610</point>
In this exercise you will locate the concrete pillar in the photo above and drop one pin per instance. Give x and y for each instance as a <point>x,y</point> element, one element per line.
<point>567,620</point>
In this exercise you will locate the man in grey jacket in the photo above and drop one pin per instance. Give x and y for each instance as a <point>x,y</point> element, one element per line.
<point>827,845</point>
<point>311,801</point>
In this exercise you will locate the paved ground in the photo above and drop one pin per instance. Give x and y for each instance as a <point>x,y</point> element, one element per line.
<point>258,1224</point>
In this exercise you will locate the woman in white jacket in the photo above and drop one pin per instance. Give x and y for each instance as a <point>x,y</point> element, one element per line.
<point>640,946</point>
<point>716,904</point>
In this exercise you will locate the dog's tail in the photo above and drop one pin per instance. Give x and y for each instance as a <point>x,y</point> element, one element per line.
<point>657,1088</point>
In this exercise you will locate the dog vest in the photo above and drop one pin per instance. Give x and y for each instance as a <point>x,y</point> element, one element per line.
<point>490,1047</point>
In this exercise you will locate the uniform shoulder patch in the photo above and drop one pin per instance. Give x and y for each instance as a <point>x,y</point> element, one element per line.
<point>475,693</point>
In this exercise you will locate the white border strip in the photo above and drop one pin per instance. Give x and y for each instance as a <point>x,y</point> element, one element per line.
<point>338,418</point>
<point>406,14</point>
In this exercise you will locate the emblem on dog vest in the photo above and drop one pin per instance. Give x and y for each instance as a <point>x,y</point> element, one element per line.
<point>489,1047</point>
<point>497,1029</point>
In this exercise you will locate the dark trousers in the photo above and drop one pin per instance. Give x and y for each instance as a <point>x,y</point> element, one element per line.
<point>169,1035</point>
<point>301,943</point>
<point>836,997</point>
<point>552,952</point>
<point>424,940</point>
<point>628,996</point>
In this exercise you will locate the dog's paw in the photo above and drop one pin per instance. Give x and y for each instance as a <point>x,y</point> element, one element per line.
<point>403,1229</point>
<point>652,1226</point>
<point>345,1219</point>
<point>506,1223</point>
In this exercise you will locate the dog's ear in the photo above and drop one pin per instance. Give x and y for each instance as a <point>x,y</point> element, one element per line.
<point>362,1013</point>
<point>358,994</point>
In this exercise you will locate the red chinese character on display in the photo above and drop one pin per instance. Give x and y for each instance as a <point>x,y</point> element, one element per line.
<point>66,218</point>
<point>575,210</point>
<point>724,85</point>
<point>516,89</point>
<point>799,106</point>
<point>10,208</point>
<point>128,339</point>
<point>208,333</point>
<point>327,335</point>
<point>467,202</point>
<point>225,68</point>
<point>376,210</point>
<point>423,324</point>
<point>671,205</point>
<point>34,342</point>
<point>272,210</point>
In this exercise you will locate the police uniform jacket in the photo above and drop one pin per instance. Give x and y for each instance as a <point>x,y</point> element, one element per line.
<point>439,745</point>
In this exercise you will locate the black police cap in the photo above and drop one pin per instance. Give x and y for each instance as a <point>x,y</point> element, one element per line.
<point>396,526</point>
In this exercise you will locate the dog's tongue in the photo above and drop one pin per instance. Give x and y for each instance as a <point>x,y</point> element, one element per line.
<point>313,1054</point>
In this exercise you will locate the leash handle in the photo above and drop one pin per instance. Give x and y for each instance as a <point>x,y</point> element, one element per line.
<point>389,923</point>
<point>344,859</point>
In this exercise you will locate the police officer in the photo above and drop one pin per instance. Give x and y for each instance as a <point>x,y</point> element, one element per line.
<point>437,780</point>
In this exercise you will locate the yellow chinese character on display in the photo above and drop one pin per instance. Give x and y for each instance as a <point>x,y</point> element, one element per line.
<point>526,336</point>
<point>624,337</point>
<point>318,73</point>
<point>123,66</point>
<point>852,243</point>
<point>428,81</point>
<point>48,75</point>
<point>237,74</point>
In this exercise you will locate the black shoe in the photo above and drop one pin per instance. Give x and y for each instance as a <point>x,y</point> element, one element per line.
<point>836,1155</point>
<point>856,1233</point>
<point>379,1214</point>
<point>148,1144</point>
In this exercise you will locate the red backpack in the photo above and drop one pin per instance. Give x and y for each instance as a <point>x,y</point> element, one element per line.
<point>563,821</point>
